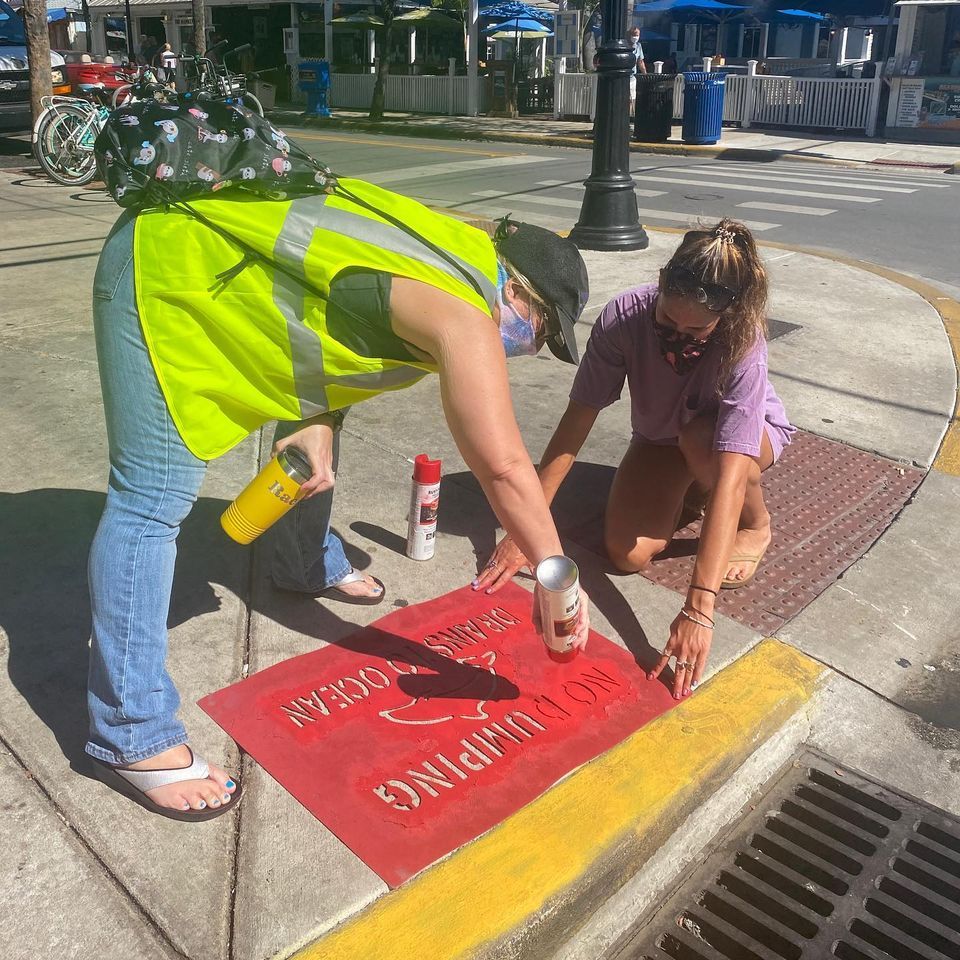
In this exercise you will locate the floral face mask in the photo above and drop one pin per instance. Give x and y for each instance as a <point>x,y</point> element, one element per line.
<point>516,331</point>
<point>680,350</point>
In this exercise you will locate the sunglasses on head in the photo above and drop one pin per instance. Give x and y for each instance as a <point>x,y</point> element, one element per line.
<point>716,297</point>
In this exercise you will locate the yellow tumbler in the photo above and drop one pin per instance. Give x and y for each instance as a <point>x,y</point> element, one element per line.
<point>268,496</point>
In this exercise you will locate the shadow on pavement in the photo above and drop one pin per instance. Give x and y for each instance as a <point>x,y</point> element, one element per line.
<point>45,607</point>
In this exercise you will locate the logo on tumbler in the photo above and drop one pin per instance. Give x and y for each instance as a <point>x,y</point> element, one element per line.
<point>277,491</point>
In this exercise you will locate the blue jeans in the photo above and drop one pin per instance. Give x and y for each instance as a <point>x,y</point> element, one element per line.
<point>154,481</point>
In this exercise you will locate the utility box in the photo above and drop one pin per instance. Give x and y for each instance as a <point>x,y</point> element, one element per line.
<point>314,81</point>
<point>502,89</point>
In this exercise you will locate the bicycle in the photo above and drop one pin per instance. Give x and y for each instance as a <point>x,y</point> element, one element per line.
<point>143,85</point>
<point>64,135</point>
<point>220,84</point>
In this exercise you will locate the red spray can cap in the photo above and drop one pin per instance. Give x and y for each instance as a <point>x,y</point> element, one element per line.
<point>426,470</point>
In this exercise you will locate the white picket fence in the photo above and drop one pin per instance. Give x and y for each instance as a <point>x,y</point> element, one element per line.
<point>836,104</point>
<point>817,102</point>
<point>443,95</point>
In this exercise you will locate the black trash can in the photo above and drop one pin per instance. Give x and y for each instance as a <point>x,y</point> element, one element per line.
<point>703,106</point>
<point>653,110</point>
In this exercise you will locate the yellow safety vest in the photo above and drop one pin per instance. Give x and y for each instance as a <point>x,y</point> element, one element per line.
<point>232,356</point>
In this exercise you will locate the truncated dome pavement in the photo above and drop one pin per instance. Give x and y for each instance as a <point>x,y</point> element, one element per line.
<point>829,503</point>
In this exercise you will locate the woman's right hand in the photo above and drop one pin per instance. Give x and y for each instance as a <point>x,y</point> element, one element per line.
<point>500,569</point>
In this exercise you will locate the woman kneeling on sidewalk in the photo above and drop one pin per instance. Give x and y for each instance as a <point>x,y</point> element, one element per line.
<point>706,424</point>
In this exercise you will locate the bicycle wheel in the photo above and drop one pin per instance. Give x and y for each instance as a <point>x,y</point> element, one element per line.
<point>251,103</point>
<point>65,146</point>
<point>122,96</point>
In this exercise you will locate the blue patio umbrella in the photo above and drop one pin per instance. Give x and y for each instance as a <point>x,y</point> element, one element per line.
<point>792,15</point>
<point>691,9</point>
<point>524,26</point>
<point>511,9</point>
<point>517,29</point>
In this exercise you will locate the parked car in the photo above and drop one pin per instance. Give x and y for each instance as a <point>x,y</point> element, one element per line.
<point>15,75</point>
<point>83,70</point>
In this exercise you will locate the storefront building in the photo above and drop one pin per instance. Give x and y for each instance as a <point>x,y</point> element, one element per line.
<point>924,73</point>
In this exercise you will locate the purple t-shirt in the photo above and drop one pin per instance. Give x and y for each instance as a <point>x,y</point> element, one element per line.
<point>623,346</point>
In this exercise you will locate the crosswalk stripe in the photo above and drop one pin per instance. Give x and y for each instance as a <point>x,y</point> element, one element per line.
<point>691,220</point>
<point>864,175</point>
<point>528,198</point>
<point>786,208</point>
<point>751,188</point>
<point>430,170</point>
<point>824,182</point>
<point>578,185</point>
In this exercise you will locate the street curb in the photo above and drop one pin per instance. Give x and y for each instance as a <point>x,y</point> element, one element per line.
<point>403,128</point>
<point>548,867</point>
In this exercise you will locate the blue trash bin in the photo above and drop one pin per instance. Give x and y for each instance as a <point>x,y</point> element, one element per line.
<point>314,81</point>
<point>703,106</point>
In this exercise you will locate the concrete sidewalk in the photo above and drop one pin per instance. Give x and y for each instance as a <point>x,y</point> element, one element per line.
<point>866,672</point>
<point>735,143</point>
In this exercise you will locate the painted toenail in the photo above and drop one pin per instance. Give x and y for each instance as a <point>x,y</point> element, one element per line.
<point>186,806</point>
<point>214,802</point>
<point>230,784</point>
<point>202,804</point>
<point>226,796</point>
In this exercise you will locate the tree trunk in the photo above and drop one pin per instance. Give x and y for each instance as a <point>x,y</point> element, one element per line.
<point>199,27</point>
<point>85,9</point>
<point>38,53</point>
<point>387,12</point>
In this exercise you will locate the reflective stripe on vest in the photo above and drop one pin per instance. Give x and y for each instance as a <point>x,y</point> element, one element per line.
<point>304,217</point>
<point>233,357</point>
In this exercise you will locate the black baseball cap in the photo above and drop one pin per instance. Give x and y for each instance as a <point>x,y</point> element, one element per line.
<point>556,270</point>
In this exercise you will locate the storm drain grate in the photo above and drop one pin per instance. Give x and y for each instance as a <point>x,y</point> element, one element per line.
<point>829,864</point>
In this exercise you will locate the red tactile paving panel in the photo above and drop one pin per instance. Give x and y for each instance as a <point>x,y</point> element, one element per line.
<point>829,503</point>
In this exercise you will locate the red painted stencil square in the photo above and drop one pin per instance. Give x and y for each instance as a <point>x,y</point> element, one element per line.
<point>418,733</point>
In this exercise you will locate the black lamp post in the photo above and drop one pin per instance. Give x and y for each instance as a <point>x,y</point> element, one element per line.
<point>608,217</point>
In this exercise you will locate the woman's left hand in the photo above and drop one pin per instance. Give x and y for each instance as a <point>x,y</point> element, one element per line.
<point>690,643</point>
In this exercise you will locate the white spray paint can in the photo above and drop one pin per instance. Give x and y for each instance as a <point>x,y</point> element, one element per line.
<point>559,581</point>
<point>424,501</point>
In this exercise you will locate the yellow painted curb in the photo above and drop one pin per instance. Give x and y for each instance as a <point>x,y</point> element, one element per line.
<point>947,459</point>
<point>502,880</point>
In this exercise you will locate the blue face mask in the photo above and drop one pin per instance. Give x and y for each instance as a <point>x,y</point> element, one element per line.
<point>517,333</point>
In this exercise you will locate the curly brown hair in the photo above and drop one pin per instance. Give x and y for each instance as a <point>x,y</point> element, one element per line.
<point>727,254</point>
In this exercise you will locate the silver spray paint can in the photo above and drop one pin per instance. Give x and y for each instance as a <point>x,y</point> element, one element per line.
<point>424,503</point>
<point>559,581</point>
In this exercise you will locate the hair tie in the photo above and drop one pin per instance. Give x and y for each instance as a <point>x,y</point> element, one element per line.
<point>725,234</point>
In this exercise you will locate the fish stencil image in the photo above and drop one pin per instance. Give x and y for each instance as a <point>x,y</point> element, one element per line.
<point>436,695</point>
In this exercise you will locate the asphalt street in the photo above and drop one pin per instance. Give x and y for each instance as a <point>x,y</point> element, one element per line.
<point>909,220</point>
<point>901,218</point>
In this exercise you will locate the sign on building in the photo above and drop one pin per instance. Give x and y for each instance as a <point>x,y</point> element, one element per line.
<point>567,33</point>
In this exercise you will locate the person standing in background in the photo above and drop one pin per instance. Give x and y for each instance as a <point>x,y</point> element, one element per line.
<point>634,36</point>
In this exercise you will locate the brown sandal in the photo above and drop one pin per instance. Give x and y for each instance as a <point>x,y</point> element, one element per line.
<point>742,558</point>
